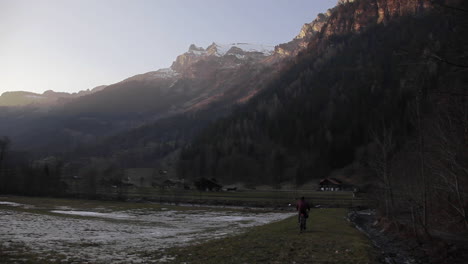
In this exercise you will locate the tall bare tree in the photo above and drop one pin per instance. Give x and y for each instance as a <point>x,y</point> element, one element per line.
<point>381,164</point>
<point>450,162</point>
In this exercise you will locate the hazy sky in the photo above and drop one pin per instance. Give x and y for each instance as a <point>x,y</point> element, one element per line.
<point>72,45</point>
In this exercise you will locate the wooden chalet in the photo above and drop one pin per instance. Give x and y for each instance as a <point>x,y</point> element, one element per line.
<point>331,184</point>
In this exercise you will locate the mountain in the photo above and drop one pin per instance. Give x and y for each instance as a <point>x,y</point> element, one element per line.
<point>48,98</point>
<point>195,78</point>
<point>364,69</point>
<point>208,82</point>
<point>377,99</point>
<point>218,76</point>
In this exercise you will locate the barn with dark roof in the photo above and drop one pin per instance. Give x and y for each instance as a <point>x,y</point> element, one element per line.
<point>331,184</point>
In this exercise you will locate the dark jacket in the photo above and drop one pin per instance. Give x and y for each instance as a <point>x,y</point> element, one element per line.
<point>302,206</point>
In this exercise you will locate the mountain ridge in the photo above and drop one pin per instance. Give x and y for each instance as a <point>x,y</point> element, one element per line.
<point>47,98</point>
<point>179,68</point>
<point>214,76</point>
<point>386,9</point>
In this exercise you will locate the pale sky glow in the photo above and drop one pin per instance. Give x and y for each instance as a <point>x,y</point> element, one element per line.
<point>72,45</point>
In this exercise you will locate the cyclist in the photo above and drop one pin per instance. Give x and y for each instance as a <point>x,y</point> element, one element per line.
<point>303,207</point>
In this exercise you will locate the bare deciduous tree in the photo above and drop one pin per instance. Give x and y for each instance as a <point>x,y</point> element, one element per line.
<point>381,164</point>
<point>450,163</point>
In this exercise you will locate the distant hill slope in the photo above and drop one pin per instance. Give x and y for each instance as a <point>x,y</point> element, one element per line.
<point>218,76</point>
<point>47,99</point>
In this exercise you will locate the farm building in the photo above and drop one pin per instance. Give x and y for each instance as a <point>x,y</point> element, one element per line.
<point>331,184</point>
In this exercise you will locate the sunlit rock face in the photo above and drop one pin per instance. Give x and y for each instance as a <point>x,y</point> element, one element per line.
<point>393,8</point>
<point>198,61</point>
<point>350,16</point>
<point>300,42</point>
<point>353,16</point>
<point>340,2</point>
<point>314,27</point>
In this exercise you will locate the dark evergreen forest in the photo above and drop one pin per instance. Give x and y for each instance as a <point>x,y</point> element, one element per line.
<point>323,108</point>
<point>387,106</point>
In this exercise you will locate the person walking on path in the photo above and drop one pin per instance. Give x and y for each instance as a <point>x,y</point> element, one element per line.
<point>302,207</point>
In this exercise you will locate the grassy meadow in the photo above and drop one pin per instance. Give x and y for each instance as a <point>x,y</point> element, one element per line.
<point>330,238</point>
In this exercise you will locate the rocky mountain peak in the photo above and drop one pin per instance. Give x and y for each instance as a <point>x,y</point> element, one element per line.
<point>213,49</point>
<point>350,16</point>
<point>193,48</point>
<point>341,2</point>
<point>301,41</point>
<point>224,55</point>
<point>314,27</point>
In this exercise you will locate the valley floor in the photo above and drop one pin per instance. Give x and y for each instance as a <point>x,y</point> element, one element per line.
<point>40,230</point>
<point>330,238</point>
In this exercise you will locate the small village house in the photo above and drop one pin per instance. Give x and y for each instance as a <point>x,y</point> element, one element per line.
<point>331,184</point>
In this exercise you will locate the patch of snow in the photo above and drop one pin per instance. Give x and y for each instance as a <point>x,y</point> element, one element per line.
<point>130,236</point>
<point>166,259</point>
<point>366,212</point>
<point>218,49</point>
<point>93,214</point>
<point>164,73</point>
<point>63,208</point>
<point>247,47</point>
<point>10,203</point>
<point>197,52</point>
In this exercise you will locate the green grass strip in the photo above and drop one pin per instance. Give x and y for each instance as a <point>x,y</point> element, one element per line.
<point>330,238</point>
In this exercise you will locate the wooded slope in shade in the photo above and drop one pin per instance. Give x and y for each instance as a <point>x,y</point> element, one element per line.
<point>318,115</point>
<point>386,106</point>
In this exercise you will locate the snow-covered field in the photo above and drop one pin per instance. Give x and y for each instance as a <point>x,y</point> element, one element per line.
<point>106,235</point>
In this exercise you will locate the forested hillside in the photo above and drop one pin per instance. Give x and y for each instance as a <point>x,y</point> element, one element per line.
<point>385,102</point>
<point>321,109</point>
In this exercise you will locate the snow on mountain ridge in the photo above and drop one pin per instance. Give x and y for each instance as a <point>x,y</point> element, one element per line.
<point>219,49</point>
<point>165,73</point>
